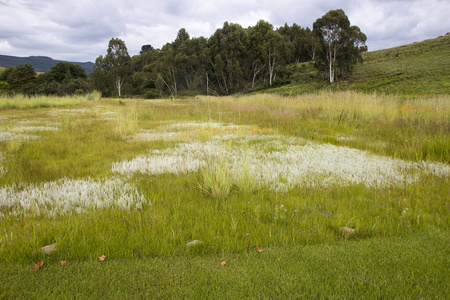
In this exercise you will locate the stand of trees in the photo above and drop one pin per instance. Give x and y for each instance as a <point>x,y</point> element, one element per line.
<point>233,59</point>
<point>64,78</point>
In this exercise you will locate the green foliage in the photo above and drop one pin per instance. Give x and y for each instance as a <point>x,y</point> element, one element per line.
<point>21,79</point>
<point>113,69</point>
<point>152,95</point>
<point>63,79</point>
<point>340,44</point>
<point>65,71</point>
<point>4,86</point>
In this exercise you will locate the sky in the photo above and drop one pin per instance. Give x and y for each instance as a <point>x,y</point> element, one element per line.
<point>79,30</point>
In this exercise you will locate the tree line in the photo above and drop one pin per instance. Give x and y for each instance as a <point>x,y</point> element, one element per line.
<point>64,78</point>
<point>234,59</point>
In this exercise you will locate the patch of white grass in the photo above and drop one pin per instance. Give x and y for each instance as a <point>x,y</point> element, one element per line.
<point>6,136</point>
<point>66,197</point>
<point>35,128</point>
<point>280,165</point>
<point>3,170</point>
<point>194,131</point>
<point>151,135</point>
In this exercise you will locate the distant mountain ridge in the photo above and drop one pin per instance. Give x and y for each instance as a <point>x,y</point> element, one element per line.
<point>40,63</point>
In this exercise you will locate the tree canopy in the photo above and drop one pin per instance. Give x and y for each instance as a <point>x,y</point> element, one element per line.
<point>64,78</point>
<point>340,44</point>
<point>115,67</point>
<point>233,59</point>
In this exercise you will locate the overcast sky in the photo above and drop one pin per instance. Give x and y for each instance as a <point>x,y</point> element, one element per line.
<point>79,30</point>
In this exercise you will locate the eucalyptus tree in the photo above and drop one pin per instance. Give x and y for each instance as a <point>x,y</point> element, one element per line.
<point>268,49</point>
<point>297,39</point>
<point>341,45</point>
<point>257,57</point>
<point>99,78</point>
<point>167,67</point>
<point>192,62</point>
<point>173,63</point>
<point>276,53</point>
<point>116,65</point>
<point>143,77</point>
<point>227,52</point>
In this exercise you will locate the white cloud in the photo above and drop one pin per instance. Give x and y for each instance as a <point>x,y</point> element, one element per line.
<point>80,30</point>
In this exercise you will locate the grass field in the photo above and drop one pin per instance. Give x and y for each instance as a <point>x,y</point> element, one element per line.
<point>327,195</point>
<point>23,101</point>
<point>414,70</point>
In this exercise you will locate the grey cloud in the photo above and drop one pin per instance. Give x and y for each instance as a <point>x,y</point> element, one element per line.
<point>76,29</point>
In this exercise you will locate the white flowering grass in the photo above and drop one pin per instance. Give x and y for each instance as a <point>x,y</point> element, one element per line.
<point>34,128</point>
<point>6,136</point>
<point>281,166</point>
<point>66,197</point>
<point>197,131</point>
<point>3,169</point>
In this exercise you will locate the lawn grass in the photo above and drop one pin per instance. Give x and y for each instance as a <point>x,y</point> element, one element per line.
<point>218,170</point>
<point>399,267</point>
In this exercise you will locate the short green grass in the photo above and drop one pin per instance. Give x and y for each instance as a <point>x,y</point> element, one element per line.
<point>414,70</point>
<point>398,250</point>
<point>409,267</point>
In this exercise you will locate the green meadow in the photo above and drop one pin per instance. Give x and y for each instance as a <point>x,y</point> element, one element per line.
<point>409,71</point>
<point>337,194</point>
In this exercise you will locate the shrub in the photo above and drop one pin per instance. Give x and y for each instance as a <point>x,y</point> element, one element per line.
<point>151,95</point>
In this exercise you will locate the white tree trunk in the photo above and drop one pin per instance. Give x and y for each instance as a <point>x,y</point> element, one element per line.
<point>331,67</point>
<point>119,83</point>
<point>272,66</point>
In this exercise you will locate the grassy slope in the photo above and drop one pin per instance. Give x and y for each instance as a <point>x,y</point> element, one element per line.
<point>417,69</point>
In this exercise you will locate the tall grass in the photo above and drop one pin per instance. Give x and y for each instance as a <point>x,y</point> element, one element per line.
<point>413,129</point>
<point>259,158</point>
<point>23,101</point>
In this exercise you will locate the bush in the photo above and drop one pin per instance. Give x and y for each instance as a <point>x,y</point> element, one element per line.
<point>151,95</point>
<point>3,86</point>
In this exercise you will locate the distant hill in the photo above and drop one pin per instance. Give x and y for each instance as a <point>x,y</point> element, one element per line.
<point>421,68</point>
<point>40,63</point>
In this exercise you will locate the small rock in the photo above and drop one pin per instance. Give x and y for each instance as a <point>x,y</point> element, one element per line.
<point>48,249</point>
<point>194,242</point>
<point>347,231</point>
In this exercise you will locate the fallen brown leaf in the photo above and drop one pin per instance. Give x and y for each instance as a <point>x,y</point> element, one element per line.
<point>38,265</point>
<point>223,263</point>
<point>63,263</point>
<point>102,258</point>
<point>260,250</point>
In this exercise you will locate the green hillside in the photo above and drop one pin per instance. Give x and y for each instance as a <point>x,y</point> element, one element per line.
<point>421,68</point>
